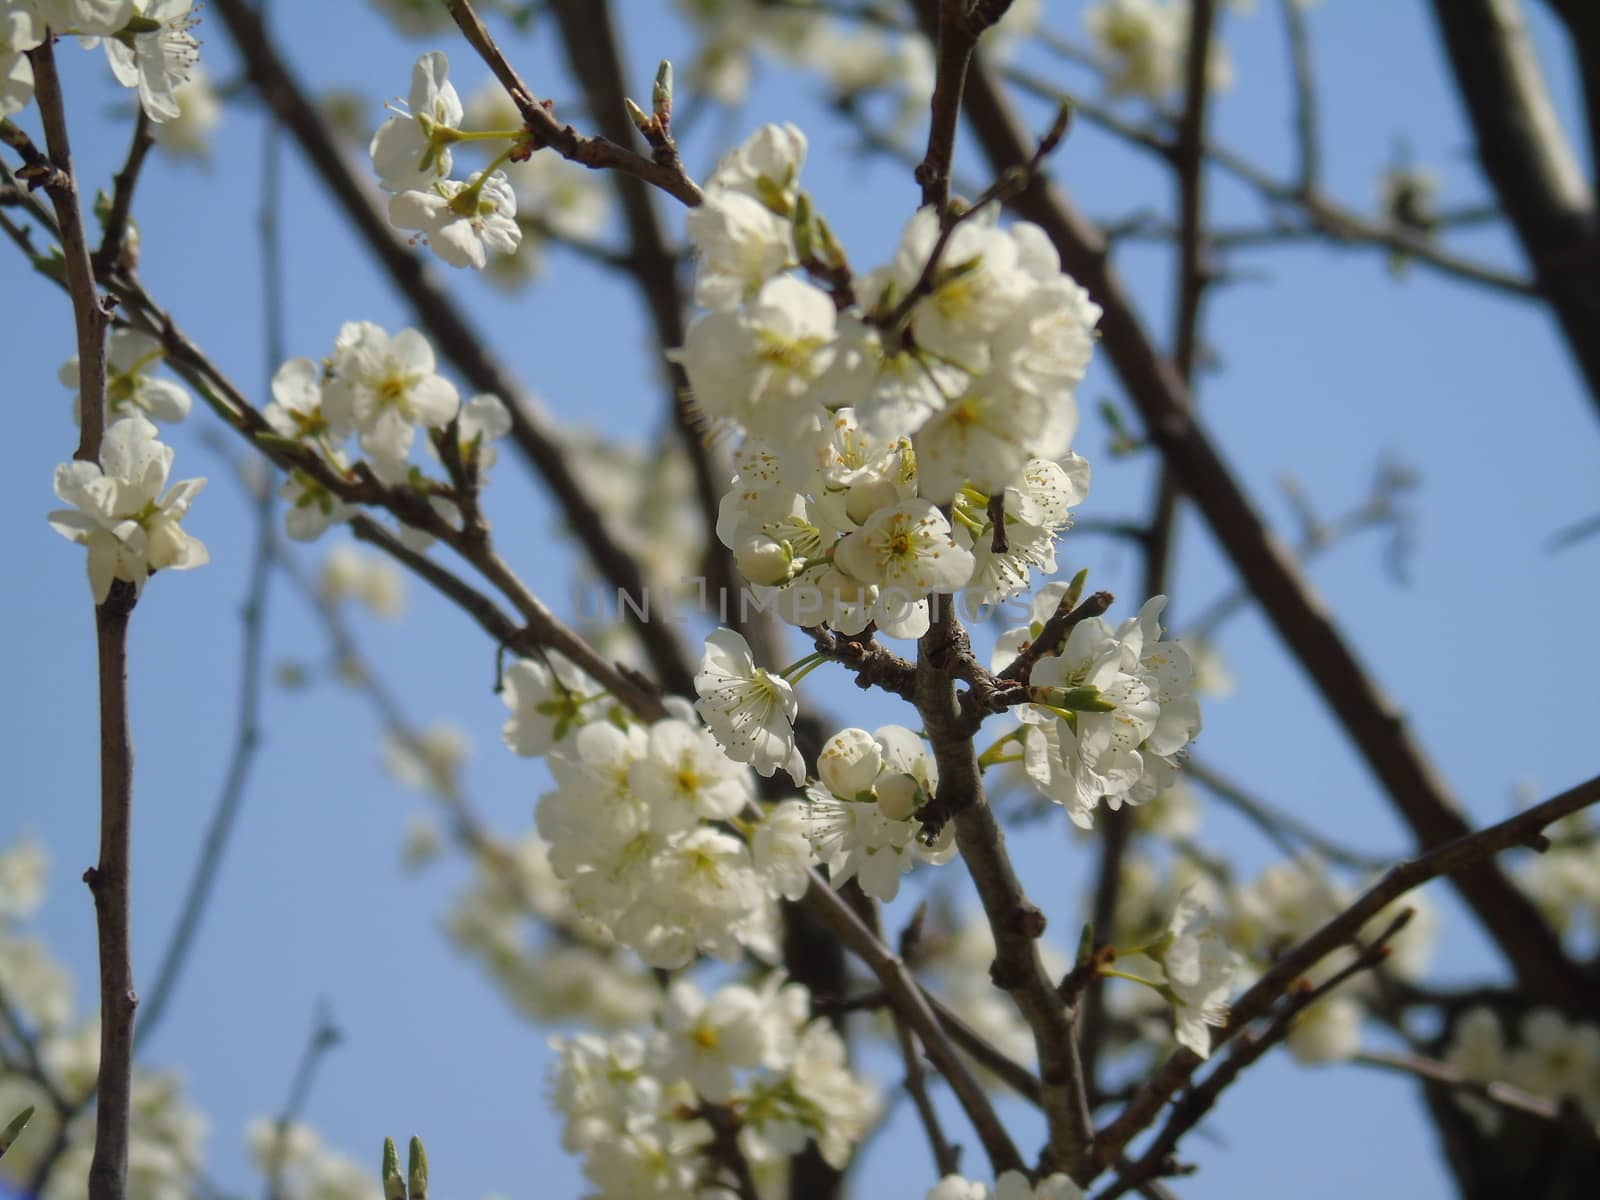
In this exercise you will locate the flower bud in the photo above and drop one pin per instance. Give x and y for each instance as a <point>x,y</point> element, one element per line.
<point>850,762</point>
<point>763,561</point>
<point>898,797</point>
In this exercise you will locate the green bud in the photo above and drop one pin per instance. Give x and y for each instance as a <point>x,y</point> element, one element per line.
<point>1086,943</point>
<point>803,249</point>
<point>661,94</point>
<point>639,117</point>
<point>1074,591</point>
<point>394,1187</point>
<point>1082,699</point>
<point>9,1134</point>
<point>418,1170</point>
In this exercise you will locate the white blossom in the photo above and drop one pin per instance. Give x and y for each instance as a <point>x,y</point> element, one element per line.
<point>462,221</point>
<point>549,700</point>
<point>1199,969</point>
<point>157,59</point>
<point>21,30</point>
<point>129,527</point>
<point>412,148</point>
<point>749,711</point>
<point>382,387</point>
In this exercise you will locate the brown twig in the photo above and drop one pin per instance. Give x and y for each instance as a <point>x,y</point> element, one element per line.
<point>1327,218</point>
<point>597,153</point>
<point>113,254</point>
<point>108,882</point>
<point>1054,634</point>
<point>946,1158</point>
<point>90,313</point>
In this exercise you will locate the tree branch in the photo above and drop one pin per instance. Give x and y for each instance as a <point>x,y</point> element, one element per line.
<point>1460,854</point>
<point>1368,716</point>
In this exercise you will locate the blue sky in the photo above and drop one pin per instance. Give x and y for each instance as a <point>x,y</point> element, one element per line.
<point>1326,364</point>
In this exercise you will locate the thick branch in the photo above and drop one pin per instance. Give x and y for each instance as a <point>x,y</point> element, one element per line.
<point>1527,159</point>
<point>1016,922</point>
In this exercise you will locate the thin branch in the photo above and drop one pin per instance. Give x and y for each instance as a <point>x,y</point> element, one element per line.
<point>1369,717</point>
<point>1329,219</point>
<point>1308,142</point>
<point>1506,1095</point>
<point>915,1006</point>
<point>108,882</point>
<point>324,1037</point>
<point>90,313</point>
<point>597,153</point>
<point>113,253</point>
<point>954,44</point>
<point>946,1158</point>
<point>1458,855</point>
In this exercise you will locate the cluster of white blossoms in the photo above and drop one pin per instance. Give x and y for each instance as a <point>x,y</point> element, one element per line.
<point>1143,46</point>
<point>636,1107</point>
<point>1012,1185</point>
<point>412,152</point>
<point>123,512</point>
<point>379,388</point>
<point>862,818</point>
<point>166,1133</point>
<point>147,43</point>
<point>1549,1056</point>
<point>1191,967</point>
<point>646,824</point>
<point>1111,712</point>
<point>882,437</point>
